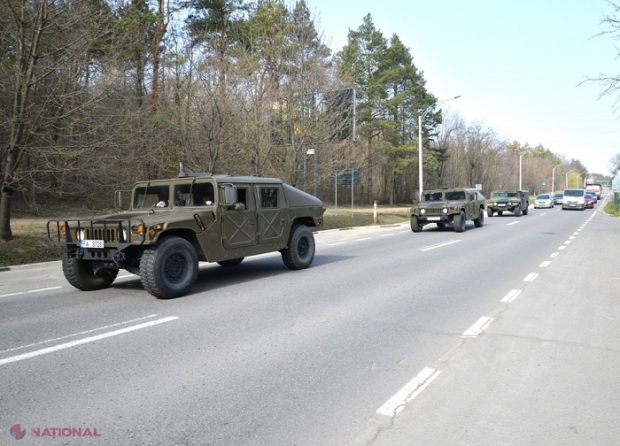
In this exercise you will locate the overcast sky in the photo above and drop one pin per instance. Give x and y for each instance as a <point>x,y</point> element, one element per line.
<point>516,64</point>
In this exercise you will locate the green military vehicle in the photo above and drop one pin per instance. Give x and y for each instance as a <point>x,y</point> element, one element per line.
<point>172,224</point>
<point>515,201</point>
<point>448,206</point>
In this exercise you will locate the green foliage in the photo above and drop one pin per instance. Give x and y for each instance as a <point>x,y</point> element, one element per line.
<point>612,209</point>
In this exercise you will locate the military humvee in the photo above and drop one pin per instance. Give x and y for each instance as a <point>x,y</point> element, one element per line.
<point>515,201</point>
<point>171,225</point>
<point>452,206</point>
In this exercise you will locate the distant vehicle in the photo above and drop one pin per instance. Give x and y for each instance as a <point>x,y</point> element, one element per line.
<point>558,198</point>
<point>515,201</point>
<point>543,201</point>
<point>574,199</point>
<point>452,206</point>
<point>596,189</point>
<point>590,199</point>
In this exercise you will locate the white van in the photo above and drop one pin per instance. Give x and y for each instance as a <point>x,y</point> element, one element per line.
<point>574,199</point>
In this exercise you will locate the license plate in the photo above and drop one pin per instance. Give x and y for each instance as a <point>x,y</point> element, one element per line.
<point>91,243</point>
<point>434,218</point>
<point>501,205</point>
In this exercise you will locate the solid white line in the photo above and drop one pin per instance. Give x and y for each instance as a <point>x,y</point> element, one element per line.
<point>412,389</point>
<point>385,235</point>
<point>530,277</point>
<point>545,264</point>
<point>477,328</point>
<point>105,327</point>
<point>31,291</point>
<point>512,295</point>
<point>402,232</point>
<point>513,223</point>
<point>84,341</point>
<point>439,245</point>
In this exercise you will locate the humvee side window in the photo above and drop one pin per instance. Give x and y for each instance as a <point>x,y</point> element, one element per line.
<point>241,204</point>
<point>203,194</point>
<point>151,196</point>
<point>197,194</point>
<point>268,197</point>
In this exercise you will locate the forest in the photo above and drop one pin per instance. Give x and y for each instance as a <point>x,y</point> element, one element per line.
<point>97,94</point>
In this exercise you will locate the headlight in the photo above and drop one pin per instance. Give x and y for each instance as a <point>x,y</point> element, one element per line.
<point>444,210</point>
<point>138,229</point>
<point>453,208</point>
<point>81,235</point>
<point>422,211</point>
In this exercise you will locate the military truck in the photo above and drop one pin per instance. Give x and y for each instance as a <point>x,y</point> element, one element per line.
<point>515,201</point>
<point>171,225</point>
<point>448,206</point>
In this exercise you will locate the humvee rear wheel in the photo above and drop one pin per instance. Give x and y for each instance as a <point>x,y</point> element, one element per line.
<point>170,268</point>
<point>525,211</point>
<point>459,222</point>
<point>81,275</point>
<point>231,262</point>
<point>415,224</point>
<point>478,222</point>
<point>300,250</point>
<point>489,212</point>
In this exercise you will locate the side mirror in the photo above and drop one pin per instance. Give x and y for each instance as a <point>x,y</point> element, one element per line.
<point>230,194</point>
<point>122,199</point>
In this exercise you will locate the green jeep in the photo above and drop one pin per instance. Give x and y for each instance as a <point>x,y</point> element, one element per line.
<point>452,206</point>
<point>515,201</point>
<point>172,224</point>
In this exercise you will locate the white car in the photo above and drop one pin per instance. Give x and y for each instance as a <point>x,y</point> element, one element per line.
<point>543,201</point>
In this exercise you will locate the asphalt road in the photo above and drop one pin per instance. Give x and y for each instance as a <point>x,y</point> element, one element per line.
<point>505,334</point>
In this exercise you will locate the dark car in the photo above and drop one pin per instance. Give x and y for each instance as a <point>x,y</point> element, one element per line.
<point>557,199</point>
<point>590,200</point>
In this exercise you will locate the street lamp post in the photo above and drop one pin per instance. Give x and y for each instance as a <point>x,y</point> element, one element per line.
<point>420,164</point>
<point>553,178</point>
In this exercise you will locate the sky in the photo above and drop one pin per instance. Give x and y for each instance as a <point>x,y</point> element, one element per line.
<point>518,65</point>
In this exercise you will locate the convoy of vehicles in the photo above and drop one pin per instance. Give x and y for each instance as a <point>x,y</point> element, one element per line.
<point>448,206</point>
<point>172,224</point>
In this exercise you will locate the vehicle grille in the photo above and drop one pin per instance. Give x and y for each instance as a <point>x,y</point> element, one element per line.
<point>108,235</point>
<point>433,211</point>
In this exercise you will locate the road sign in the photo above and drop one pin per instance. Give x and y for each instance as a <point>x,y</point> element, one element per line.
<point>346,177</point>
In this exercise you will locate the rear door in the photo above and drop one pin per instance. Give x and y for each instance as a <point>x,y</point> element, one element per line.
<point>271,212</point>
<point>239,220</point>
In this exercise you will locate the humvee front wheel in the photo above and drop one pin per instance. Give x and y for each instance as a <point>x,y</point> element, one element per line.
<point>415,224</point>
<point>231,262</point>
<point>81,275</point>
<point>459,222</point>
<point>299,252</point>
<point>170,268</point>
<point>478,222</point>
<point>518,211</point>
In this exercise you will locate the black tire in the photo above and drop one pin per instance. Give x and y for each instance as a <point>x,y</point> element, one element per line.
<point>170,268</point>
<point>478,222</point>
<point>459,222</point>
<point>525,211</point>
<point>231,262</point>
<point>500,213</point>
<point>79,273</point>
<point>441,225</point>
<point>415,224</point>
<point>518,211</point>
<point>299,252</point>
<point>489,212</point>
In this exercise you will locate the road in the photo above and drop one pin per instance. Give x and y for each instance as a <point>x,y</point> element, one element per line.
<point>505,334</point>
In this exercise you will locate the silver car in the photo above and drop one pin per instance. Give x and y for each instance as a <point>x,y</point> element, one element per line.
<point>543,201</point>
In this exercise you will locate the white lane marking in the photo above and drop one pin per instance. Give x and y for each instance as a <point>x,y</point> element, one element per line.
<point>555,254</point>
<point>544,213</point>
<point>477,328</point>
<point>572,237</point>
<point>385,235</point>
<point>84,340</point>
<point>402,232</point>
<point>530,277</point>
<point>334,244</point>
<point>362,239</point>
<point>438,245</point>
<point>567,242</point>
<point>512,295</point>
<point>545,264</point>
<point>31,291</point>
<point>513,223</point>
<point>412,389</point>
<point>105,327</point>
<point>575,233</point>
<point>561,248</point>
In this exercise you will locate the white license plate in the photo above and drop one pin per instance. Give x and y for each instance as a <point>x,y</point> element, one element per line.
<point>91,243</point>
<point>434,218</point>
<point>500,205</point>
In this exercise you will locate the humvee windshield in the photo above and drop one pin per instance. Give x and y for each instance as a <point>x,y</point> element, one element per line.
<point>505,195</point>
<point>433,196</point>
<point>149,196</point>
<point>455,195</point>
